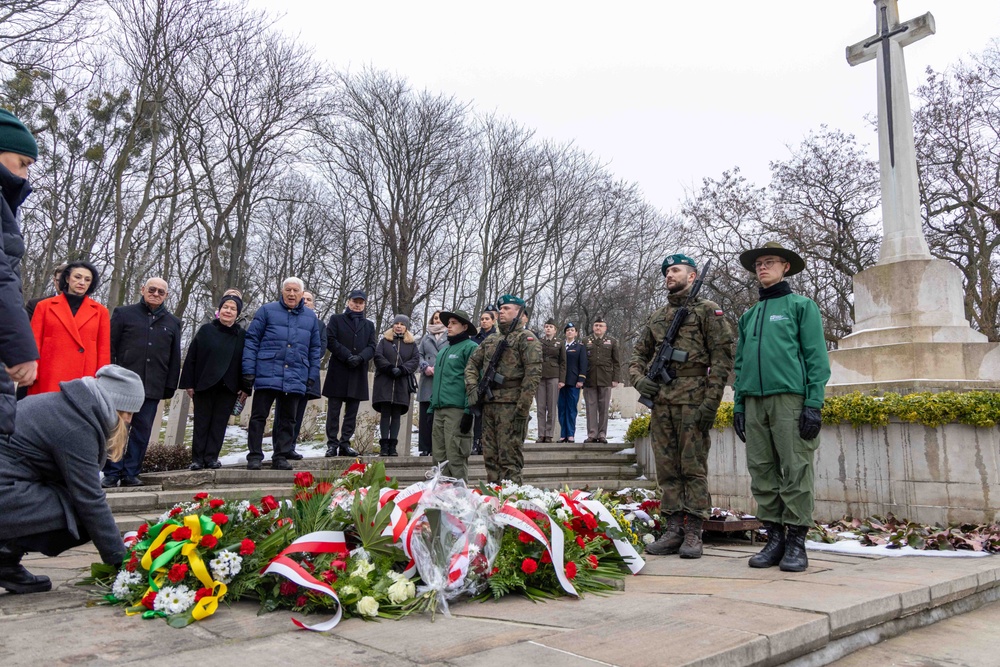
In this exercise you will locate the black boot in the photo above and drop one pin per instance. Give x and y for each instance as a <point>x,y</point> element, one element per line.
<point>393,443</point>
<point>347,450</point>
<point>477,447</point>
<point>15,578</point>
<point>691,548</point>
<point>795,559</point>
<point>383,447</point>
<point>671,539</point>
<point>774,550</point>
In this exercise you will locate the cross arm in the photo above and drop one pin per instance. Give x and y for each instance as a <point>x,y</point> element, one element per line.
<point>916,29</point>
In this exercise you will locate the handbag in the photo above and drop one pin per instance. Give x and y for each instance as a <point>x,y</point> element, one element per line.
<point>412,382</point>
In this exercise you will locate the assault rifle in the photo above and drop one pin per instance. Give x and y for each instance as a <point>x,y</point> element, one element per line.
<point>659,370</point>
<point>484,391</point>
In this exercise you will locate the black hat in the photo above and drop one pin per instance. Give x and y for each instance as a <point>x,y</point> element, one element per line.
<point>461,316</point>
<point>599,320</point>
<point>79,264</point>
<point>357,294</point>
<point>550,321</point>
<point>235,299</point>
<point>568,326</point>
<point>748,258</point>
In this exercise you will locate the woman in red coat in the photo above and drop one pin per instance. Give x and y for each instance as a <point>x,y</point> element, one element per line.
<point>72,331</point>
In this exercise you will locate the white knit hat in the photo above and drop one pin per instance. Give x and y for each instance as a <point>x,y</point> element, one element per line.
<point>121,387</point>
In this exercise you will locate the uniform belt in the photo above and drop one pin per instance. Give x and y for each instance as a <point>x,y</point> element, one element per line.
<point>692,371</point>
<point>511,384</point>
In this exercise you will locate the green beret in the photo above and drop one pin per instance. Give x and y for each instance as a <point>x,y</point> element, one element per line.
<point>677,259</point>
<point>15,137</point>
<point>510,298</point>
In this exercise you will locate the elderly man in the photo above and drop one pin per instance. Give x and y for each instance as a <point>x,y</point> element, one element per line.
<point>351,341</point>
<point>604,362</point>
<point>146,339</point>
<point>281,363</point>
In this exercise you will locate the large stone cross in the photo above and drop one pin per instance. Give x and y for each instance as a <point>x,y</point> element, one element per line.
<point>903,236</point>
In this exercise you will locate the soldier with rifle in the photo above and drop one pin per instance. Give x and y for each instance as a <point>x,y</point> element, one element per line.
<point>680,365</point>
<point>500,382</point>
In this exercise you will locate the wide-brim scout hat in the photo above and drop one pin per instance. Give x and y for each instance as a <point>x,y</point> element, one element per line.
<point>748,258</point>
<point>462,317</point>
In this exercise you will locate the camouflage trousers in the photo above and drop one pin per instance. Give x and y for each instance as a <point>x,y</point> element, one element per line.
<point>681,453</point>
<point>502,446</point>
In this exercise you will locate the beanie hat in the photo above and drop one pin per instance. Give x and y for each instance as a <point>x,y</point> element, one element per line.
<point>121,387</point>
<point>235,299</point>
<point>401,319</point>
<point>15,137</point>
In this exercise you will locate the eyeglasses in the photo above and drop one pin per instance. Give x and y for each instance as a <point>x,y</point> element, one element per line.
<point>157,290</point>
<point>766,264</point>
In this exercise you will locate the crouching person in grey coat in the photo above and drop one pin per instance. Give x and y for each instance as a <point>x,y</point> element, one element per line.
<point>50,481</point>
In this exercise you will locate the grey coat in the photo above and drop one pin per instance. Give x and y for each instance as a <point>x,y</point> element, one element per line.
<point>50,469</point>
<point>429,348</point>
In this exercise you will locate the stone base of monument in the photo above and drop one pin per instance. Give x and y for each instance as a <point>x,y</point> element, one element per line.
<point>911,334</point>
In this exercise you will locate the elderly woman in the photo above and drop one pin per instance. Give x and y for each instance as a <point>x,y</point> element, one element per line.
<point>211,377</point>
<point>72,331</point>
<point>396,360</point>
<point>432,342</point>
<point>50,472</point>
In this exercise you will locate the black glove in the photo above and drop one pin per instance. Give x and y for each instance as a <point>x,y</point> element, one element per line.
<point>466,424</point>
<point>810,422</point>
<point>648,388</point>
<point>740,425</point>
<point>248,381</point>
<point>397,372</point>
<point>310,383</point>
<point>354,360</point>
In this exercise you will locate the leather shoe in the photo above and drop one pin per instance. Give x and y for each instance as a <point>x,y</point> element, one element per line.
<point>347,450</point>
<point>281,464</point>
<point>253,465</point>
<point>15,578</point>
<point>293,456</point>
<point>131,481</point>
<point>332,450</point>
<point>214,465</point>
<point>109,482</point>
<point>195,466</point>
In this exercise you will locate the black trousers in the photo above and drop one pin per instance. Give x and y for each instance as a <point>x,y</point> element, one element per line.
<point>335,433</point>
<point>389,422</point>
<point>300,414</point>
<point>285,408</point>
<point>426,428</point>
<point>212,410</point>
<point>51,542</point>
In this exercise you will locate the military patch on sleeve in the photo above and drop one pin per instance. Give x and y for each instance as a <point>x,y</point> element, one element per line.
<point>529,338</point>
<point>718,312</point>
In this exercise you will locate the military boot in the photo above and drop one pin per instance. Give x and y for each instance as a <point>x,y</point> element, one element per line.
<point>14,577</point>
<point>393,443</point>
<point>692,537</point>
<point>671,539</point>
<point>773,551</point>
<point>795,559</point>
<point>477,447</point>
<point>383,447</point>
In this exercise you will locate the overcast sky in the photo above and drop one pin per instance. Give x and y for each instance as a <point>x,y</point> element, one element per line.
<point>664,92</point>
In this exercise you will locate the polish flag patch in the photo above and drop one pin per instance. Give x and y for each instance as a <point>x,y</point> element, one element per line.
<point>718,313</point>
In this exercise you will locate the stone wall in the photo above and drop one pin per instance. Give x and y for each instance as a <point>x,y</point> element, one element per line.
<point>930,475</point>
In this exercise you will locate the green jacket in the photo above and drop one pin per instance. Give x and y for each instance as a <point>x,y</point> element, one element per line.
<point>448,390</point>
<point>781,350</point>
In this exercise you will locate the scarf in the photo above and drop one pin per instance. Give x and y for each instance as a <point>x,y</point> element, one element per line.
<point>774,291</point>
<point>455,340</point>
<point>437,330</point>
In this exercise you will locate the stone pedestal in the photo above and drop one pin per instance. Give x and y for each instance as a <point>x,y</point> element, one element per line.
<point>911,334</point>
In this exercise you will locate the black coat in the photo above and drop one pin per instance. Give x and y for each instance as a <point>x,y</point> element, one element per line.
<point>482,334</point>
<point>215,355</point>
<point>150,344</point>
<point>390,353</point>
<point>313,393</point>
<point>17,342</point>
<point>576,363</point>
<point>50,469</point>
<point>348,336</point>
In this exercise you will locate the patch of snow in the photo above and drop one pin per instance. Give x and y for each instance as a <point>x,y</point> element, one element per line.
<point>854,548</point>
<point>627,450</point>
<point>641,477</point>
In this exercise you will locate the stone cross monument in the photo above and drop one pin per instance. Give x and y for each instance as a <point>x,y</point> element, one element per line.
<point>910,332</point>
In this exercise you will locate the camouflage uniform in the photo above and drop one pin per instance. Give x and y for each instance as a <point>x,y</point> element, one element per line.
<point>680,448</point>
<point>521,367</point>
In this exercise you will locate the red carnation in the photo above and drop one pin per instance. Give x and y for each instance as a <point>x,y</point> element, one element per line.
<point>203,593</point>
<point>524,537</point>
<point>593,561</point>
<point>494,571</point>
<point>220,519</point>
<point>303,479</point>
<point>580,542</point>
<point>324,488</point>
<point>133,563</point>
<point>529,565</point>
<point>253,510</point>
<point>546,558</point>
<point>157,552</point>
<point>143,529</point>
<point>329,576</point>
<point>301,601</point>
<point>269,503</point>
<point>177,572</point>
<point>209,541</point>
<point>339,565</point>
<point>288,588</point>
<point>216,503</point>
<point>571,570</point>
<point>200,496</point>
<point>175,511</point>
<point>590,521</point>
<point>181,534</point>
<point>148,600</point>
<point>247,547</point>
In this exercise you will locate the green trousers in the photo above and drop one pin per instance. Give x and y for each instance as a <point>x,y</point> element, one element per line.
<point>779,460</point>
<point>502,446</point>
<point>681,454</point>
<point>449,444</point>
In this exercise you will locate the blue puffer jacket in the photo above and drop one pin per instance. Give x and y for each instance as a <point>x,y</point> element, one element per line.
<point>283,348</point>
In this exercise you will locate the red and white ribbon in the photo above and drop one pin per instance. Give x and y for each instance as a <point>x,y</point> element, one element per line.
<point>326,541</point>
<point>509,515</point>
<point>625,549</point>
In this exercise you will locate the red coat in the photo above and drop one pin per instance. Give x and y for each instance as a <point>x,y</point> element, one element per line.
<point>69,347</point>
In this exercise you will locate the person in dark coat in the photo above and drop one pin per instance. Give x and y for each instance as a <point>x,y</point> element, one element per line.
<point>351,341</point>
<point>18,352</point>
<point>487,327</point>
<point>433,340</point>
<point>312,392</point>
<point>396,360</point>
<point>280,364</point>
<point>49,471</point>
<point>576,375</point>
<point>146,339</point>
<point>211,377</point>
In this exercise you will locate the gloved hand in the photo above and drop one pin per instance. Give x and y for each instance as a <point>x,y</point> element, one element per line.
<point>648,388</point>
<point>740,425</point>
<point>397,372</point>
<point>466,424</point>
<point>473,397</point>
<point>520,426</point>
<point>810,422</point>
<point>310,383</point>
<point>705,417</point>
<point>248,381</point>
<point>354,360</point>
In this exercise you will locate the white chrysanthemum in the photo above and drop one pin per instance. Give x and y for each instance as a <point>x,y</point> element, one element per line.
<point>648,538</point>
<point>368,606</point>
<point>362,569</point>
<point>650,523</point>
<point>226,565</point>
<point>401,591</point>
<point>120,589</point>
<point>563,515</point>
<point>174,599</point>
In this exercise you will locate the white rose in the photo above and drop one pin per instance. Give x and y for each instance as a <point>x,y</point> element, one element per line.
<point>363,569</point>
<point>368,606</point>
<point>648,538</point>
<point>398,592</point>
<point>348,590</point>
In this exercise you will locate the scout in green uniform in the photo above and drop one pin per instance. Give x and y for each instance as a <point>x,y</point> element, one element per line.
<point>683,410</point>
<point>451,436</point>
<point>553,379</point>
<point>505,418</point>
<point>605,363</point>
<point>782,369</point>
